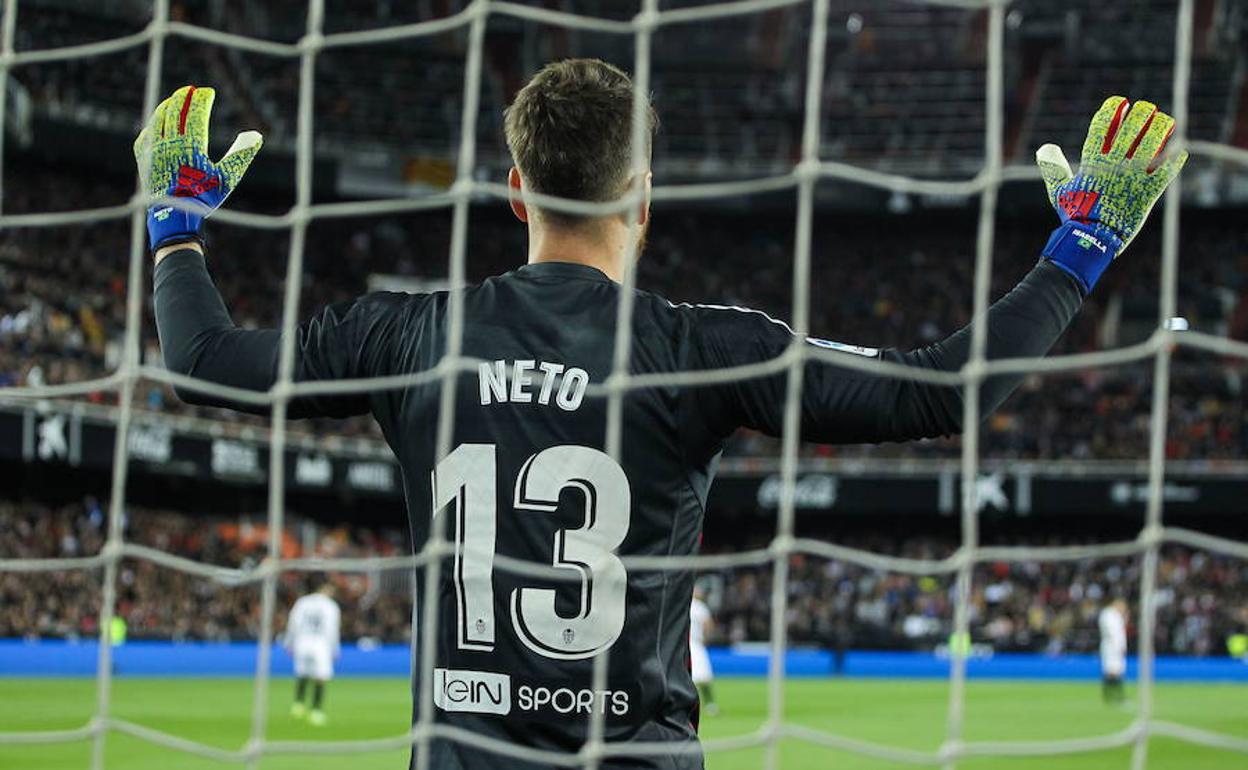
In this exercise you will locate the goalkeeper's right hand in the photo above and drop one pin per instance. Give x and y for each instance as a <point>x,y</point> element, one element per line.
<point>172,153</point>
<point>1121,175</point>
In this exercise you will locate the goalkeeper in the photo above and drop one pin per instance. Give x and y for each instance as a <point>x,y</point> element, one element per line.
<point>513,653</point>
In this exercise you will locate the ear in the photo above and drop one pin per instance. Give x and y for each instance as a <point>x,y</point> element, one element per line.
<point>643,216</point>
<point>516,198</point>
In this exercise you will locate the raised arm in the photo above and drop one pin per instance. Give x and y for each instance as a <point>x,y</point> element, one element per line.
<point>1101,209</point>
<point>846,406</point>
<point>347,340</point>
<point>197,336</point>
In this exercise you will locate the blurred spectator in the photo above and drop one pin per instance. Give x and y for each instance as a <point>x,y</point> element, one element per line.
<point>1033,606</point>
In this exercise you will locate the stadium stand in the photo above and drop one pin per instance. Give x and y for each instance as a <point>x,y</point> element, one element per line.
<point>904,90</point>
<point>62,308</point>
<point>904,94</point>
<point>1028,606</point>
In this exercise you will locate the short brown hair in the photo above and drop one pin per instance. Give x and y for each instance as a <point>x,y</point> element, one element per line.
<point>570,132</point>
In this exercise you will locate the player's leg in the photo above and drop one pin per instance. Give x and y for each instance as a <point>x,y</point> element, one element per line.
<point>324,672</point>
<point>707,695</point>
<point>1111,689</point>
<point>317,715</point>
<point>1117,692</point>
<point>702,678</point>
<point>1113,667</point>
<point>297,709</point>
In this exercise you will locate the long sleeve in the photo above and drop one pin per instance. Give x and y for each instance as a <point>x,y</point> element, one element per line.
<point>843,406</point>
<point>335,632</point>
<point>292,624</point>
<point>198,338</point>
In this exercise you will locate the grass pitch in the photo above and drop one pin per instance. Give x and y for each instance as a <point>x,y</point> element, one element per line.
<point>908,714</point>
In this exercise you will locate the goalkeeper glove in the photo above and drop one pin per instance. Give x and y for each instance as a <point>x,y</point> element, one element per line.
<point>1121,175</point>
<point>172,154</point>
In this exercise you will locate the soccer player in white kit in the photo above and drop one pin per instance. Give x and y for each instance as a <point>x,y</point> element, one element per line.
<point>312,639</point>
<point>700,624</point>
<point>1112,623</point>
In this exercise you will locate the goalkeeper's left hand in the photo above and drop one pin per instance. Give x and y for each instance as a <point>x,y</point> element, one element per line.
<point>1121,175</point>
<point>176,137</point>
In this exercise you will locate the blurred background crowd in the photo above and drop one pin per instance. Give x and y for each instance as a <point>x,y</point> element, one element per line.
<point>903,93</point>
<point>1034,606</point>
<point>63,290</point>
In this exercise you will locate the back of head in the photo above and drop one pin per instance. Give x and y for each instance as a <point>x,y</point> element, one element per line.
<point>569,131</point>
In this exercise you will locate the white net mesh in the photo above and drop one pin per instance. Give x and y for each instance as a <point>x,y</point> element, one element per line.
<point>803,178</point>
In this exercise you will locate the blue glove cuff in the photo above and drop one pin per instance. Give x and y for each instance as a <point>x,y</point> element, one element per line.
<point>167,224</point>
<point>1083,250</point>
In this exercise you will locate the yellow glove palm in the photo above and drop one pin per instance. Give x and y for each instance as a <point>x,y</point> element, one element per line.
<point>1121,171</point>
<point>172,155</point>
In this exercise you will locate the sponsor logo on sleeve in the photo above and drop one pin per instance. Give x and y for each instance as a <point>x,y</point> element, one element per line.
<point>841,347</point>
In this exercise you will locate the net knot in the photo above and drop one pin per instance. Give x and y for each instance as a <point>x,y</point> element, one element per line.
<point>951,749</point>
<point>253,749</point>
<point>112,551</point>
<point>647,19</point>
<point>311,42</point>
<point>808,170</point>
<point>1151,535</point>
<point>282,391</point>
<point>974,370</point>
<point>782,545</point>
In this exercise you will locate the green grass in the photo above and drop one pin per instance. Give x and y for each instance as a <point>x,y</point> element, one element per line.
<point>908,714</point>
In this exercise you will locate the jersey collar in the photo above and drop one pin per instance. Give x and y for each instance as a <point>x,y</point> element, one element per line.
<point>563,270</point>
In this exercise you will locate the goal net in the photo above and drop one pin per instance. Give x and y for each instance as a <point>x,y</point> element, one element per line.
<point>802,179</point>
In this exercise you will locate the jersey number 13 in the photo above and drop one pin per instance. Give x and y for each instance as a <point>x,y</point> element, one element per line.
<point>465,481</point>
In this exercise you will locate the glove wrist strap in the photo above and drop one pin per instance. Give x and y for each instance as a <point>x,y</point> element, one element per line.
<point>1083,250</point>
<point>167,224</point>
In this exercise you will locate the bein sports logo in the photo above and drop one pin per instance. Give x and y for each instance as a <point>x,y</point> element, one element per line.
<point>476,692</point>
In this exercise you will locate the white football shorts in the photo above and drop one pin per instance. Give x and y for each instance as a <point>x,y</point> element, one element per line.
<point>1113,663</point>
<point>314,660</point>
<point>700,664</point>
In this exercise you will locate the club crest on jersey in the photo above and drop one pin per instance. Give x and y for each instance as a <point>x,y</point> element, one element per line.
<point>841,347</point>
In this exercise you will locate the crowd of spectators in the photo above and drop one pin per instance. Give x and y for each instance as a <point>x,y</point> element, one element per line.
<point>873,282</point>
<point>63,306</point>
<point>1049,607</point>
<point>904,88</point>
<point>1027,606</point>
<point>163,603</point>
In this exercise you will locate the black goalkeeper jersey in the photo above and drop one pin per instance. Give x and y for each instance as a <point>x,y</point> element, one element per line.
<point>527,481</point>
